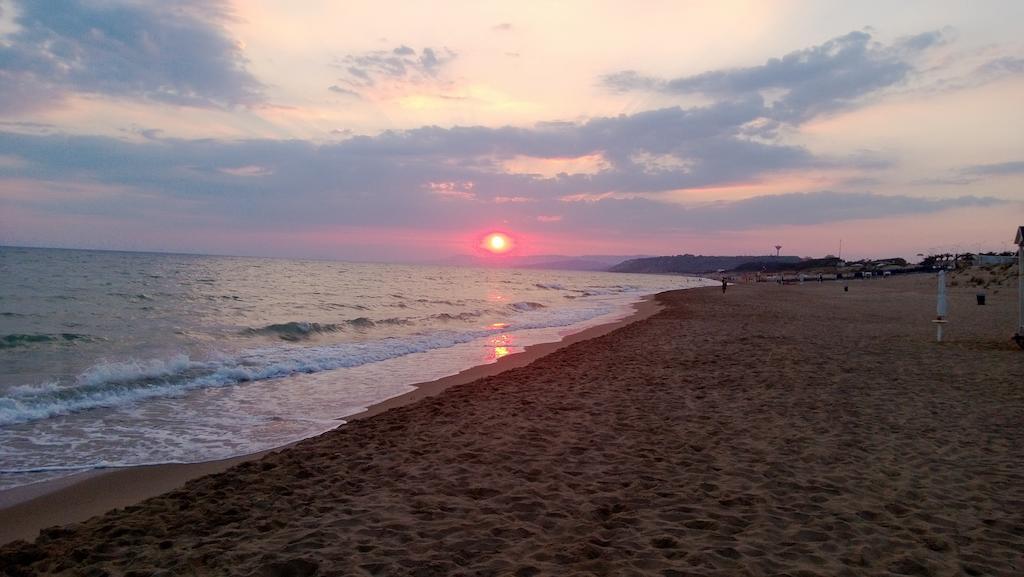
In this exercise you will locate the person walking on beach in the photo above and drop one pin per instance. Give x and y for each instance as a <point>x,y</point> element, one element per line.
<point>725,284</point>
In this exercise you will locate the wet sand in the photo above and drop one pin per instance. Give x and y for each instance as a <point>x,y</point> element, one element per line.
<point>27,509</point>
<point>771,430</point>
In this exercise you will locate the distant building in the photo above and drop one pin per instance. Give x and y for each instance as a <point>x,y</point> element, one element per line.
<point>993,259</point>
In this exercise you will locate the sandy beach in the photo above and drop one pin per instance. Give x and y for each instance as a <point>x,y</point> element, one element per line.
<point>770,430</point>
<point>29,508</point>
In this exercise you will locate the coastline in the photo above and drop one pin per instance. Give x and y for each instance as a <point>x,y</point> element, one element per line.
<point>770,430</point>
<point>29,508</point>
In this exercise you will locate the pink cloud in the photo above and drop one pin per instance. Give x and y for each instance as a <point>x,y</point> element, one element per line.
<point>453,190</point>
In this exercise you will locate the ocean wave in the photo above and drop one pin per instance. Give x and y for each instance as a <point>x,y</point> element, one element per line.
<point>24,340</point>
<point>524,306</point>
<point>346,306</point>
<point>395,322</point>
<point>295,330</point>
<point>463,316</point>
<point>115,384</point>
<point>67,468</point>
<point>302,330</point>
<point>549,286</point>
<point>133,297</point>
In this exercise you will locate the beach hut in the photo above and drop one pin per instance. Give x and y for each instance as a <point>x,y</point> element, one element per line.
<point>1019,337</point>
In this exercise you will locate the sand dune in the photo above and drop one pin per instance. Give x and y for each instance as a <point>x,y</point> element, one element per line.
<point>772,430</point>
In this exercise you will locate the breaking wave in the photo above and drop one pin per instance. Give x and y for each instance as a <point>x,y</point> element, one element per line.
<point>463,316</point>
<point>525,306</point>
<point>24,340</point>
<point>300,330</point>
<point>114,384</point>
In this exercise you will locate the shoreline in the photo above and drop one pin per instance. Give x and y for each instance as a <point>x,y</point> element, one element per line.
<point>27,509</point>
<point>768,430</point>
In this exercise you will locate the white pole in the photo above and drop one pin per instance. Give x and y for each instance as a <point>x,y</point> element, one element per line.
<point>940,306</point>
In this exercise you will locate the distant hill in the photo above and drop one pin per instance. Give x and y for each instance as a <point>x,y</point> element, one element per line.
<point>590,262</point>
<point>581,263</point>
<point>695,264</point>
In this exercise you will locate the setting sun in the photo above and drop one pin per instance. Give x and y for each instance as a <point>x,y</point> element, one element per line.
<point>497,243</point>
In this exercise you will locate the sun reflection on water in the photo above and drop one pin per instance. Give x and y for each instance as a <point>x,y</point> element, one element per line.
<point>498,346</point>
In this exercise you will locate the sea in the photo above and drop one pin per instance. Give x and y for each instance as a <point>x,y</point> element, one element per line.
<point>117,359</point>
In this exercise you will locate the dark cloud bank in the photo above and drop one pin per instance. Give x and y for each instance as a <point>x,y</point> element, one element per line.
<point>177,53</point>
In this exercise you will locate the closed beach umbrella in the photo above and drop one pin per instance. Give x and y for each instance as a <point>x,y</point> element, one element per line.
<point>940,306</point>
<point>1019,337</point>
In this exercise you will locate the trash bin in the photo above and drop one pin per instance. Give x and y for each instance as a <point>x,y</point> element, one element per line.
<point>981,298</point>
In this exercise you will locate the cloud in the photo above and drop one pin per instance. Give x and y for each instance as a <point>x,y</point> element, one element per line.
<point>794,209</point>
<point>971,71</point>
<point>435,178</point>
<point>651,152</point>
<point>343,91</point>
<point>452,190</point>
<point>1004,65</point>
<point>804,83</point>
<point>971,174</point>
<point>943,181</point>
<point>503,27</point>
<point>696,147</point>
<point>248,170</point>
<point>401,64</point>
<point>997,169</point>
<point>631,80</point>
<point>180,55</point>
<point>508,199</point>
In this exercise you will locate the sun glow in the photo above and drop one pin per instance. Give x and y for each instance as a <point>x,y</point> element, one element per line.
<point>499,346</point>
<point>497,243</point>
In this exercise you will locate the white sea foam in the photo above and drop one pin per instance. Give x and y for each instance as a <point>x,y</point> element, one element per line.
<point>234,355</point>
<point>526,306</point>
<point>113,384</point>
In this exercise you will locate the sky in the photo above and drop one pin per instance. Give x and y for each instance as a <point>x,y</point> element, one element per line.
<point>406,131</point>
